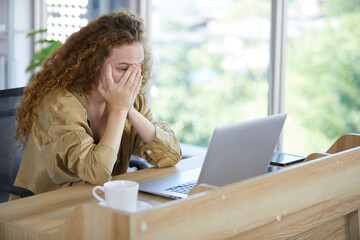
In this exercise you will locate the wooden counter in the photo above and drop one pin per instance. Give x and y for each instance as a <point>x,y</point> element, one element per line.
<point>319,199</point>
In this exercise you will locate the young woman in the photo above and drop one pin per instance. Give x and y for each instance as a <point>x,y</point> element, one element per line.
<point>85,113</point>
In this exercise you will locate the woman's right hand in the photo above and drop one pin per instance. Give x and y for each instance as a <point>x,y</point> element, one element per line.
<point>120,95</point>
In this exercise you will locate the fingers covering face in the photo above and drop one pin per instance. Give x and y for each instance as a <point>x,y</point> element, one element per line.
<point>131,80</point>
<point>109,77</point>
<point>136,84</point>
<point>132,77</point>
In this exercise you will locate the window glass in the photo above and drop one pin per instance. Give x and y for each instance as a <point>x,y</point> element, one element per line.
<point>67,17</point>
<point>211,60</point>
<point>322,73</point>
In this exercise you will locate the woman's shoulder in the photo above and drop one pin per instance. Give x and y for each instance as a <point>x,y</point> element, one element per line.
<point>62,107</point>
<point>62,99</point>
<point>59,96</point>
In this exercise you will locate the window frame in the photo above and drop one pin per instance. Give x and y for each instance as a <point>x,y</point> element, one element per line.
<point>277,63</point>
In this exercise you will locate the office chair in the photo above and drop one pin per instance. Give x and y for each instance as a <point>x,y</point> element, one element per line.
<point>10,158</point>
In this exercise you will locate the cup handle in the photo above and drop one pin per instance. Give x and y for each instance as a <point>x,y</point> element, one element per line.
<point>97,196</point>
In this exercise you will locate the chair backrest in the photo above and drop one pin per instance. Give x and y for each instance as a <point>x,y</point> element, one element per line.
<point>10,157</point>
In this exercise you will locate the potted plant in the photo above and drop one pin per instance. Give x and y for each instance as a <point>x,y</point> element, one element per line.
<point>40,56</point>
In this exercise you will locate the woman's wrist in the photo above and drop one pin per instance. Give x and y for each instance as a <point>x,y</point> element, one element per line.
<point>131,113</point>
<point>118,111</point>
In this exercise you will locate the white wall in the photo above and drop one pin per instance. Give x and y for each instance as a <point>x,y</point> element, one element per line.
<point>22,46</point>
<point>14,45</point>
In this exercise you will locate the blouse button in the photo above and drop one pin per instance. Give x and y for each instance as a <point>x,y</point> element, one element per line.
<point>149,151</point>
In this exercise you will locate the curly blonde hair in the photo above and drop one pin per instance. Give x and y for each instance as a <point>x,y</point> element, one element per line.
<point>76,65</point>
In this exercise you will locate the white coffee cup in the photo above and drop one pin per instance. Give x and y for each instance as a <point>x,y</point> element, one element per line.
<point>120,194</point>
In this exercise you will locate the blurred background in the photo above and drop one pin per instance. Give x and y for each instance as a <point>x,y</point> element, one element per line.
<point>219,61</point>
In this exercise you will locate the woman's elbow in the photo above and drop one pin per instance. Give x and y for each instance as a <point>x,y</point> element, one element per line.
<point>169,160</point>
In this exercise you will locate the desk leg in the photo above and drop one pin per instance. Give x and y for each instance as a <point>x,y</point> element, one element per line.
<point>354,225</point>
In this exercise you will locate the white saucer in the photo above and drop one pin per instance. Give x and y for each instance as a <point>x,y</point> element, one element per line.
<point>140,205</point>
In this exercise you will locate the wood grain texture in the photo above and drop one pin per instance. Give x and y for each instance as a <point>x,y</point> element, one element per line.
<point>335,229</point>
<point>40,216</point>
<point>273,206</point>
<point>202,188</point>
<point>304,201</point>
<point>354,225</point>
<point>313,156</point>
<point>345,142</point>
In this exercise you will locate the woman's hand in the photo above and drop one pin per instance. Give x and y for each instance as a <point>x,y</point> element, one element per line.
<point>137,90</point>
<point>120,96</point>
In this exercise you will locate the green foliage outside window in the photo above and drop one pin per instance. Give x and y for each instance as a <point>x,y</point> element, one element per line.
<point>322,93</point>
<point>194,106</point>
<point>325,74</point>
<point>194,94</point>
<point>40,56</point>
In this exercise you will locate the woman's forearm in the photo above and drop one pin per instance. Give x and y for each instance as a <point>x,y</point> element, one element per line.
<point>114,129</point>
<point>143,126</point>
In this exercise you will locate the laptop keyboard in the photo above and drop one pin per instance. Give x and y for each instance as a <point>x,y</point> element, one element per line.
<point>182,188</point>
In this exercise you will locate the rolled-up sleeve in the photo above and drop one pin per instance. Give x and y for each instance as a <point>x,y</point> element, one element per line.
<point>69,152</point>
<point>164,150</point>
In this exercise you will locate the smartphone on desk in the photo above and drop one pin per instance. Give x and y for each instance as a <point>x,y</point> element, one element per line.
<point>284,159</point>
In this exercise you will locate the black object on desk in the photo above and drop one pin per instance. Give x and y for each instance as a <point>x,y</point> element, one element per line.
<point>284,159</point>
<point>273,169</point>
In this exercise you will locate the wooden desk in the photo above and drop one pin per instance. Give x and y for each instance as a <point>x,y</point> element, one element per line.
<point>318,199</point>
<point>46,213</point>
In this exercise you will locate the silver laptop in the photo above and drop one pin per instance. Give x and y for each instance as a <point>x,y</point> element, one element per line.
<point>236,152</point>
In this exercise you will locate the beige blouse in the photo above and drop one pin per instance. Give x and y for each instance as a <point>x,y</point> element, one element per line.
<point>60,148</point>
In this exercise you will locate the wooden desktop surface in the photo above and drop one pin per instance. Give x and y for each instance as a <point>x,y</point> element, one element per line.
<point>319,199</point>
<point>46,212</point>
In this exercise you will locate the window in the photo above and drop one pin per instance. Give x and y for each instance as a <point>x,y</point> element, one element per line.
<point>211,64</point>
<point>65,17</point>
<point>211,61</point>
<point>322,85</point>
